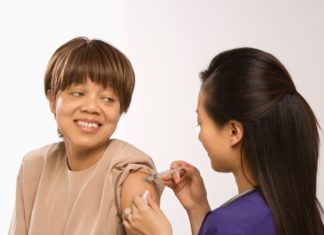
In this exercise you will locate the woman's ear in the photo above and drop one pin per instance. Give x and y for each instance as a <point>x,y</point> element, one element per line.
<point>235,132</point>
<point>51,99</point>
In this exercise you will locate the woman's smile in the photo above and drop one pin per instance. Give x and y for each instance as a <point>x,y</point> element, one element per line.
<point>88,125</point>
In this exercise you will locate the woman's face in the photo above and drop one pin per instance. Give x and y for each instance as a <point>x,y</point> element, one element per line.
<point>86,114</point>
<point>215,140</point>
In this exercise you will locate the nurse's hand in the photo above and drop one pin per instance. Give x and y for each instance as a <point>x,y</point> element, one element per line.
<point>188,186</point>
<point>145,218</point>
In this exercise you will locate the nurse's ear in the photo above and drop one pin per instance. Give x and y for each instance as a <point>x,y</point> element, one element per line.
<point>235,131</point>
<point>51,99</point>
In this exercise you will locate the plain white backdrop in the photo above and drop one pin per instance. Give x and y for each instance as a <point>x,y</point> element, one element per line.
<point>168,43</point>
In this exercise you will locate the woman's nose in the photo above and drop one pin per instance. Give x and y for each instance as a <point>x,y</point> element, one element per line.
<point>90,105</point>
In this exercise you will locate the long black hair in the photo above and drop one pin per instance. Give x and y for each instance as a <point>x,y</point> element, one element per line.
<point>281,140</point>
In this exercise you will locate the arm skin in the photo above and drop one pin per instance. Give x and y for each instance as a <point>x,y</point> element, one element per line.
<point>133,185</point>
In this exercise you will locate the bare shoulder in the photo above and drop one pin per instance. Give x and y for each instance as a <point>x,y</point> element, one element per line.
<point>135,184</point>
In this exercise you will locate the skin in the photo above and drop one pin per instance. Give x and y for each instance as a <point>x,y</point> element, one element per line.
<point>223,145</point>
<point>133,187</point>
<point>85,103</point>
<point>137,224</point>
<point>87,115</point>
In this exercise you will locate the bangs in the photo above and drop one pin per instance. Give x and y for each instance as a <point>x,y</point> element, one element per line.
<point>89,62</point>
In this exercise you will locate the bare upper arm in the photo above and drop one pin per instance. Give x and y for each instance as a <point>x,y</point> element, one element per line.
<point>135,184</point>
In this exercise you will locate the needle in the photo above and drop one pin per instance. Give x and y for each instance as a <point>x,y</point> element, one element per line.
<point>163,173</point>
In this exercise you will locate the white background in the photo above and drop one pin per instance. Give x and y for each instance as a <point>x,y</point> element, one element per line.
<point>168,43</point>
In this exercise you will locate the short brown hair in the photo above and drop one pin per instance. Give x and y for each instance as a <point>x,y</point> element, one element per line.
<point>82,58</point>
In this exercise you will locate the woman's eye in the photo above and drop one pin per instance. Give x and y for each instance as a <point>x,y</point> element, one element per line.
<point>107,99</point>
<point>76,94</point>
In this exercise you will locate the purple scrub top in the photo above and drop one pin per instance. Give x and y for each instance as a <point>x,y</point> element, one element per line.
<point>247,215</point>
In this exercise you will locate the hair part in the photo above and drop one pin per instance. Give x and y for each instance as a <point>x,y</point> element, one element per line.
<point>81,58</point>
<point>281,141</point>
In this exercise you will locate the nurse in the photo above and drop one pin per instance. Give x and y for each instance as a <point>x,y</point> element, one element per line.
<point>257,126</point>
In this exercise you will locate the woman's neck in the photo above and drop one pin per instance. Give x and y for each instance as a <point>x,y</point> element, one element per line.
<point>80,159</point>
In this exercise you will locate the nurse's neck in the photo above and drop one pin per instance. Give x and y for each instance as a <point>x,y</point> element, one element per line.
<point>244,180</point>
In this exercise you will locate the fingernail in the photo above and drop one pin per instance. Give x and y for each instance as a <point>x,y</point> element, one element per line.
<point>145,195</point>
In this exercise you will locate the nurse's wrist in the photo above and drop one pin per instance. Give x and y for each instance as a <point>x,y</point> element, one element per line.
<point>201,209</point>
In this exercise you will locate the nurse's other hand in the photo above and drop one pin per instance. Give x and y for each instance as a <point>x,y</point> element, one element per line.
<point>146,218</point>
